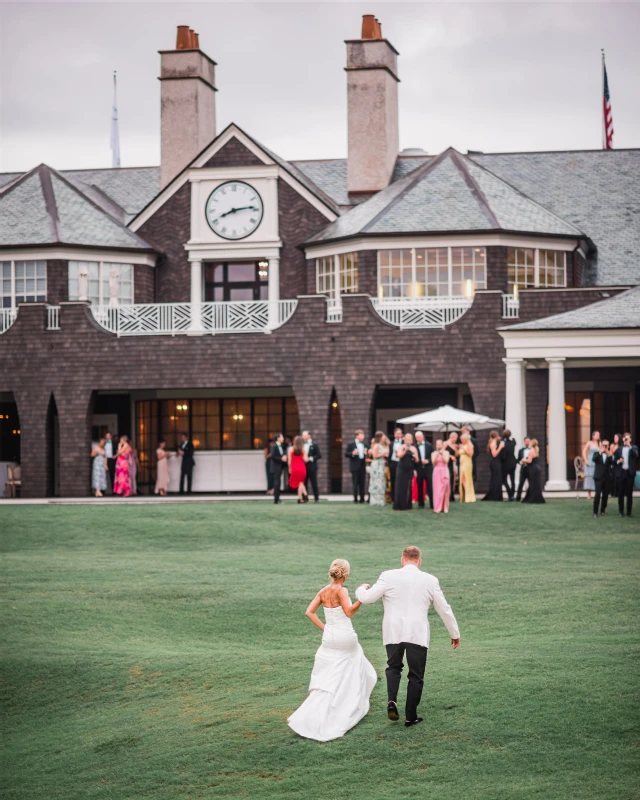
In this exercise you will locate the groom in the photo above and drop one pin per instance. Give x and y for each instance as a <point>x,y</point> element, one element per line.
<point>407,594</point>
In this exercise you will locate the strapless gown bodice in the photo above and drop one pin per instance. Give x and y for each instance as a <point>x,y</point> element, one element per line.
<point>341,683</point>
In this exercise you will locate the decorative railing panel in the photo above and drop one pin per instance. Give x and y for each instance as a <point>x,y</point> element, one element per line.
<point>427,312</point>
<point>53,318</point>
<point>334,309</point>
<point>7,318</point>
<point>510,306</point>
<point>171,319</point>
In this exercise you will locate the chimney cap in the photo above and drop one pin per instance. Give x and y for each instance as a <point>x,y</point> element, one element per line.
<point>187,38</point>
<point>371,27</point>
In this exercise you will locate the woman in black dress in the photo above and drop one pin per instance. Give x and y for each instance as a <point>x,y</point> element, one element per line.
<point>495,448</point>
<point>534,492</point>
<point>407,459</point>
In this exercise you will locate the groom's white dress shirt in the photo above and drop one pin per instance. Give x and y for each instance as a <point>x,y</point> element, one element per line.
<point>407,594</point>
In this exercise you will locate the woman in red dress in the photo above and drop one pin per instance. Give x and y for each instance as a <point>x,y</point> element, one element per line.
<point>297,460</point>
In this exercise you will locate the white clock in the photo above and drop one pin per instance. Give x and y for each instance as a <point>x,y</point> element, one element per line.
<point>234,210</point>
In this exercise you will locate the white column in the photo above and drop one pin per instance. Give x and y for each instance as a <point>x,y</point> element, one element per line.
<point>196,297</point>
<point>514,399</point>
<point>274,292</point>
<point>557,443</point>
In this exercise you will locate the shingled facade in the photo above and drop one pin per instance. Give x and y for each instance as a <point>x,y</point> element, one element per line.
<point>340,309</point>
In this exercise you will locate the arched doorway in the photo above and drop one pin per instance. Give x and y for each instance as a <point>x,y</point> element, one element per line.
<point>335,445</point>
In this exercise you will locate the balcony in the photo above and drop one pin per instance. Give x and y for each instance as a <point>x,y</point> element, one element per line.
<point>171,319</point>
<point>7,318</point>
<point>510,306</point>
<point>421,312</point>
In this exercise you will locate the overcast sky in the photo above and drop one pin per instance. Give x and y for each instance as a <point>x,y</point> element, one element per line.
<point>481,76</point>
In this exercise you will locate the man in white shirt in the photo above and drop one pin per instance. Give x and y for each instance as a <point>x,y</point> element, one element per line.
<point>407,594</point>
<point>523,454</point>
<point>110,455</point>
<point>356,452</point>
<point>313,453</point>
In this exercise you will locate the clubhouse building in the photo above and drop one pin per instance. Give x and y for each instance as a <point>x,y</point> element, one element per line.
<point>231,294</point>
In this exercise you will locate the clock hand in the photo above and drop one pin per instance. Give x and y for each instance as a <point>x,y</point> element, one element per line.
<point>233,210</point>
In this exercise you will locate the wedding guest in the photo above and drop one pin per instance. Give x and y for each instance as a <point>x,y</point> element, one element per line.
<point>99,469</point>
<point>267,465</point>
<point>298,461</point>
<point>626,460</point>
<point>523,453</point>
<point>474,442</point>
<point>185,451</point>
<point>495,448</point>
<point>134,466</point>
<point>603,477</point>
<point>407,460</point>
<point>122,485</point>
<point>441,481</point>
<point>393,456</point>
<point>588,451</point>
<point>451,447</point>
<point>287,445</point>
<point>424,469</point>
<point>534,492</point>
<point>615,444</point>
<point>162,477</point>
<point>509,464</point>
<point>356,452</point>
<point>278,464</point>
<point>110,455</point>
<point>388,496</point>
<point>377,476</point>
<point>466,450</point>
<point>313,454</point>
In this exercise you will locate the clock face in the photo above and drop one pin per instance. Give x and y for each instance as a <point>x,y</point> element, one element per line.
<point>234,210</point>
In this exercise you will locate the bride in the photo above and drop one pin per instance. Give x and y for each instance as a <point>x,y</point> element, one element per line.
<point>342,679</point>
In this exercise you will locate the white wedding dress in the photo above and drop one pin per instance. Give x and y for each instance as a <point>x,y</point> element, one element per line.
<point>341,683</point>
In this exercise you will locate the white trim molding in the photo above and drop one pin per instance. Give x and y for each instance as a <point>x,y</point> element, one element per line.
<point>226,251</point>
<point>78,254</point>
<point>610,345</point>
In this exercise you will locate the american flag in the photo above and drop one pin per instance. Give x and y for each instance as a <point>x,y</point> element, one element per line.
<point>607,142</point>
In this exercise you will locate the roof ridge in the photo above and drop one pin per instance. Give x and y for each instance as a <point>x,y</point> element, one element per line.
<point>526,196</point>
<point>50,204</point>
<point>460,162</point>
<point>4,190</point>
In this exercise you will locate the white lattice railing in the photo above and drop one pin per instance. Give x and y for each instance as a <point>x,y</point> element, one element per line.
<point>154,319</point>
<point>334,309</point>
<point>7,318</point>
<point>510,306</point>
<point>423,312</point>
<point>53,318</point>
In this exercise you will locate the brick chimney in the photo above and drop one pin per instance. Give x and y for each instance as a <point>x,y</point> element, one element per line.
<point>372,100</point>
<point>188,105</point>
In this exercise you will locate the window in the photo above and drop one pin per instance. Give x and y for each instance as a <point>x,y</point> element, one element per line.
<point>237,281</point>
<point>527,267</point>
<point>106,282</point>
<point>23,282</point>
<point>334,271</point>
<point>431,272</point>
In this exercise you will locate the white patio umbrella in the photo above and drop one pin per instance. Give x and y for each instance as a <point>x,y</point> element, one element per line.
<point>448,417</point>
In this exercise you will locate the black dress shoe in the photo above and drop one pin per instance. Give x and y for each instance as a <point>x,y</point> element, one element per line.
<point>415,721</point>
<point>620,514</point>
<point>392,711</point>
<point>595,516</point>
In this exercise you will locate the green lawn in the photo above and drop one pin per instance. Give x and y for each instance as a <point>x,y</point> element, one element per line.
<point>156,651</point>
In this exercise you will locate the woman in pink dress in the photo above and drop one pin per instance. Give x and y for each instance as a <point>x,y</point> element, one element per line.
<point>162,481</point>
<point>122,484</point>
<point>297,460</point>
<point>441,480</point>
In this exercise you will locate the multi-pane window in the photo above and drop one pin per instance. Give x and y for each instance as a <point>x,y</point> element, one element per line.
<point>23,282</point>
<point>337,271</point>
<point>236,281</point>
<point>106,283</point>
<point>212,424</point>
<point>528,267</point>
<point>431,272</point>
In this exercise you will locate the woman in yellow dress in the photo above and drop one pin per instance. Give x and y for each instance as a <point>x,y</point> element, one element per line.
<point>465,451</point>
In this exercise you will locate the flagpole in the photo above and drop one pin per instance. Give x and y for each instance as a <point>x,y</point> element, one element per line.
<point>604,121</point>
<point>115,132</point>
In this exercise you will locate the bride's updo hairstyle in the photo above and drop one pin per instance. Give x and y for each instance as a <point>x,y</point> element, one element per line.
<point>339,569</point>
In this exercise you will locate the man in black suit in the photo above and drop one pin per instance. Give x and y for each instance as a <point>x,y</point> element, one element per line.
<point>424,469</point>
<point>356,452</point>
<point>509,463</point>
<point>626,461</point>
<point>392,461</point>
<point>188,462</point>
<point>603,477</point>
<point>313,452</point>
<point>523,453</point>
<point>278,461</point>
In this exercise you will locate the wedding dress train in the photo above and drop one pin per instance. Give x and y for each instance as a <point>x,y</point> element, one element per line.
<point>341,682</point>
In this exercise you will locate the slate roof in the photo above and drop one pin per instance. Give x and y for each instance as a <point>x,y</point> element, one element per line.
<point>448,193</point>
<point>42,207</point>
<point>621,311</point>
